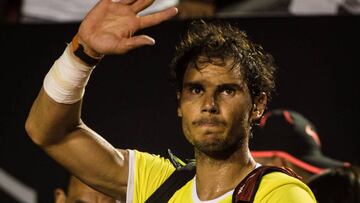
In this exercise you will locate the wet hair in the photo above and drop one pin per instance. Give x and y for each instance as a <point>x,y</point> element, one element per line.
<point>337,185</point>
<point>216,42</point>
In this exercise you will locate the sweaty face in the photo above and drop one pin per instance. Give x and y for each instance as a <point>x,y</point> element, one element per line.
<point>215,106</point>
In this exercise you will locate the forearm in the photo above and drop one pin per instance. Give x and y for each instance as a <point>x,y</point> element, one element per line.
<point>56,110</point>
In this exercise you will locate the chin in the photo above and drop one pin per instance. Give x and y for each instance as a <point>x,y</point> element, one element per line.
<point>216,147</point>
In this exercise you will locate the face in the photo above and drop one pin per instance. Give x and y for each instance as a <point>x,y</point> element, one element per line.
<point>215,107</point>
<point>78,192</point>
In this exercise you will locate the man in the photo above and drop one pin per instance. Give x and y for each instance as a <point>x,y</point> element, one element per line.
<point>223,80</point>
<point>78,192</point>
<point>286,138</point>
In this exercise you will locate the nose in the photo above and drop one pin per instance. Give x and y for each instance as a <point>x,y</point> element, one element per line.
<point>210,104</point>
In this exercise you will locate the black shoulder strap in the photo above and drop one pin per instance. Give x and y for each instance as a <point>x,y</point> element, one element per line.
<point>246,190</point>
<point>176,180</point>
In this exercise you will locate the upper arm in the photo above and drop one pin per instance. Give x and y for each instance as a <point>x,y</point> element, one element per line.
<point>93,160</point>
<point>59,131</point>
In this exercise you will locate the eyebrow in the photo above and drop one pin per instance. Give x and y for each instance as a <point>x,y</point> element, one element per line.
<point>235,86</point>
<point>231,85</point>
<point>221,86</point>
<point>191,84</point>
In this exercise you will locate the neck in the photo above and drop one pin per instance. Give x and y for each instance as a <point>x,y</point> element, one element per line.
<point>226,172</point>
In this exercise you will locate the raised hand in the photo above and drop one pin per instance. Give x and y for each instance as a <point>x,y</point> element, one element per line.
<point>110,26</point>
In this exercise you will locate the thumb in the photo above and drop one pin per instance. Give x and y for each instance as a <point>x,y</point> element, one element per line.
<point>141,40</point>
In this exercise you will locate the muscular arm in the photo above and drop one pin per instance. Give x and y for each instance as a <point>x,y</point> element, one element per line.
<point>57,128</point>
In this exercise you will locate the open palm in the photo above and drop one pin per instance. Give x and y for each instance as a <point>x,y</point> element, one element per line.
<point>109,27</point>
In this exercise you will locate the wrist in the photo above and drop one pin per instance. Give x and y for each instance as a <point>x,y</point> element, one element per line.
<point>66,80</point>
<point>83,53</point>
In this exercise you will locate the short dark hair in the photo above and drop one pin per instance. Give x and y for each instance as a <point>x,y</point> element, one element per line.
<point>219,40</point>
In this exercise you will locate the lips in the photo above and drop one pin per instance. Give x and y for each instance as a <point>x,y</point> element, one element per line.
<point>209,122</point>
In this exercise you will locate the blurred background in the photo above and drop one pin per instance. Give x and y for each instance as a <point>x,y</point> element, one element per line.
<point>314,42</point>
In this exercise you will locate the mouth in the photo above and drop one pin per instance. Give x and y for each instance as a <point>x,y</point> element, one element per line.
<point>209,123</point>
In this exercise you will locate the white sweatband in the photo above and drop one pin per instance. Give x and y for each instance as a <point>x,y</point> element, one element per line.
<point>66,80</point>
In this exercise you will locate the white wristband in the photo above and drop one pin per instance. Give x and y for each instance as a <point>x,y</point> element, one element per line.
<point>65,82</point>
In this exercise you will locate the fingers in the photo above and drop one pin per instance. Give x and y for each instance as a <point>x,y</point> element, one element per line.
<point>140,40</point>
<point>123,1</point>
<point>134,42</point>
<point>140,5</point>
<point>158,17</point>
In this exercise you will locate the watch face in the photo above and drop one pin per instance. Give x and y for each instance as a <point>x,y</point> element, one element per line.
<point>80,53</point>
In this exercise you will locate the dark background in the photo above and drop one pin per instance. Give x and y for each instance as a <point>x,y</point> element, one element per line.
<point>130,102</point>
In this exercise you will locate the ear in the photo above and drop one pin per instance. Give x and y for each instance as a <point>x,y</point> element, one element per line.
<point>259,106</point>
<point>178,97</point>
<point>59,195</point>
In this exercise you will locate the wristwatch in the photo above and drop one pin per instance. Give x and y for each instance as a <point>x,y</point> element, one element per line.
<point>78,50</point>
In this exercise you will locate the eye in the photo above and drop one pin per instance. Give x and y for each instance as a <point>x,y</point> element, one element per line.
<point>195,90</point>
<point>228,91</point>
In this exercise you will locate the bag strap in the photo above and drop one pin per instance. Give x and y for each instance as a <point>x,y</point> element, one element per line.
<point>176,180</point>
<point>245,191</point>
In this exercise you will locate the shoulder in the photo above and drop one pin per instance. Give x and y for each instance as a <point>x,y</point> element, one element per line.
<point>280,187</point>
<point>146,173</point>
<point>148,160</point>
